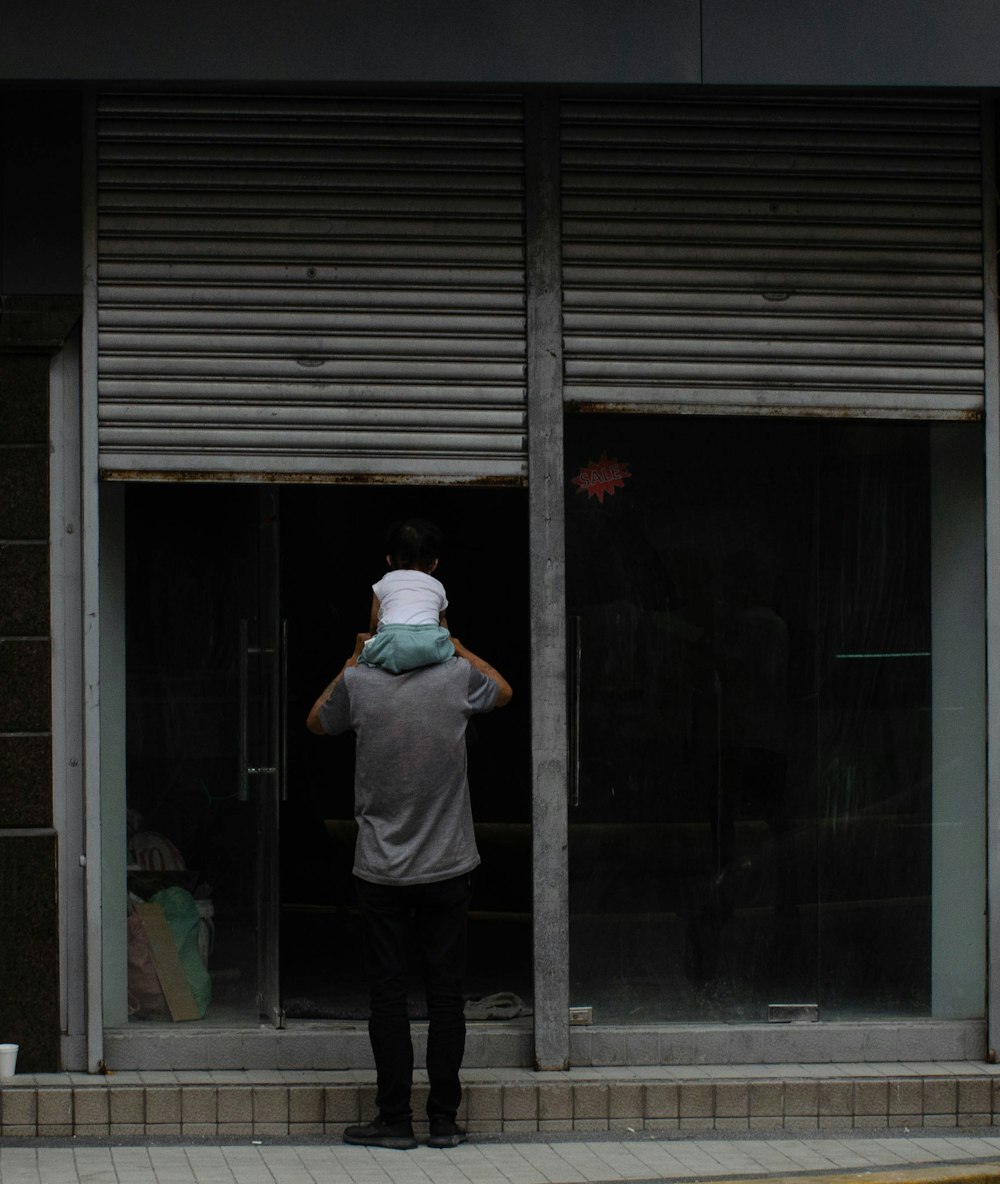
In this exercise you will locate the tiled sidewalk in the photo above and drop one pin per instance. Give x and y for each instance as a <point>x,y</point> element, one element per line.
<point>498,1161</point>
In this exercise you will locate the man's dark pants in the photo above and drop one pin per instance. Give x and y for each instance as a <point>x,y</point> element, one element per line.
<point>437,914</point>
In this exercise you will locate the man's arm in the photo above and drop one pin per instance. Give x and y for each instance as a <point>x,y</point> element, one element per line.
<point>312,719</point>
<point>506,694</point>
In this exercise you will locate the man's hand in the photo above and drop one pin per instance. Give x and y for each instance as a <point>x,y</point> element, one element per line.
<point>312,719</point>
<point>506,694</point>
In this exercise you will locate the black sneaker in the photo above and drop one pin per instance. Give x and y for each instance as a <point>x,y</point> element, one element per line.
<point>396,1136</point>
<point>445,1133</point>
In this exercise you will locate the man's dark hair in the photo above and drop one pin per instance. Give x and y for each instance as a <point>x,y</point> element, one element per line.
<point>414,543</point>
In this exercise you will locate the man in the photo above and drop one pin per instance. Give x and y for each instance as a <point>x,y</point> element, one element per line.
<point>414,855</point>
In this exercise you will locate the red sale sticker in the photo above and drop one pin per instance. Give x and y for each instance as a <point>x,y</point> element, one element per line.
<point>601,477</point>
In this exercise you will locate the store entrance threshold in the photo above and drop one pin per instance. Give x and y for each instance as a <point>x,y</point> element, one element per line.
<point>663,1101</point>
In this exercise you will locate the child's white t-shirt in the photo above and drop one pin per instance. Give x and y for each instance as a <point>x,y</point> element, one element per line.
<point>408,597</point>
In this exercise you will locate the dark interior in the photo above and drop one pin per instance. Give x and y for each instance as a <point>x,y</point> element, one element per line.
<point>199,560</point>
<point>751,819</point>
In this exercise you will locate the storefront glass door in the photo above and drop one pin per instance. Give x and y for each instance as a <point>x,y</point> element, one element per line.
<point>333,549</point>
<point>204,752</point>
<point>203,741</point>
<point>760,761</point>
<point>240,604</point>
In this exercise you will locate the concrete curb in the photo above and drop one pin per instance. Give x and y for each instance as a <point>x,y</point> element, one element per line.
<point>974,1173</point>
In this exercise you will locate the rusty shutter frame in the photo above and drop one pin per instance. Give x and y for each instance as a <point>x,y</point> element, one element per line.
<point>774,253</point>
<point>311,287</point>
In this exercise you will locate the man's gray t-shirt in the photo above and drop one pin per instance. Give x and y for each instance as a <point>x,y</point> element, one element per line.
<point>411,791</point>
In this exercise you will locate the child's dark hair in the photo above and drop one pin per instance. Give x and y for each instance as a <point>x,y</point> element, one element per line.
<point>414,543</point>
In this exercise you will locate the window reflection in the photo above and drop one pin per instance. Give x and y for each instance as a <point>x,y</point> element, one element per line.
<point>757,786</point>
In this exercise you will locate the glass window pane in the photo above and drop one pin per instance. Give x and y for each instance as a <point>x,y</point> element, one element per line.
<point>192,831</point>
<point>779,694</point>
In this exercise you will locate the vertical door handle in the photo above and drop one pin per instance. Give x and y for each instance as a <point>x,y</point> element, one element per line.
<point>244,791</point>
<point>283,708</point>
<point>575,638</point>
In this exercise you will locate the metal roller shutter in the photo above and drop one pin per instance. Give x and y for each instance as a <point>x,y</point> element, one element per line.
<point>809,255</point>
<point>320,287</point>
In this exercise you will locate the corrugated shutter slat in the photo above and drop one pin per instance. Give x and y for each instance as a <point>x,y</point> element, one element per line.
<point>314,286</point>
<point>804,254</point>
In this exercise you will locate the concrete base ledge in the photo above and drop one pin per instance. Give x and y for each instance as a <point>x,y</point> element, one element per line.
<point>325,1045</point>
<point>786,1099</point>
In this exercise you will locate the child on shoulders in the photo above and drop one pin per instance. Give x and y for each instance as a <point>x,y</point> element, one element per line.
<point>408,603</point>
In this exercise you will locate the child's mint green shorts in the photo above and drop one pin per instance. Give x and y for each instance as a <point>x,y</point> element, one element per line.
<point>398,648</point>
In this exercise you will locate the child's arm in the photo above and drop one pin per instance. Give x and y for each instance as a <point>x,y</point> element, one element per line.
<point>443,621</point>
<point>373,623</point>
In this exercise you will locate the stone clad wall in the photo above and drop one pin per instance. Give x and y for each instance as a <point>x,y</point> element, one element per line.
<point>25,749</point>
<point>29,928</point>
<point>41,278</point>
<point>31,330</point>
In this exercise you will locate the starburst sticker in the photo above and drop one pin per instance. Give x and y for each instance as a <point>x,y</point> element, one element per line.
<point>601,477</point>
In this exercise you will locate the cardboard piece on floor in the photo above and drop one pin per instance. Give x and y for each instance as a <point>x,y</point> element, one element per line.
<point>173,980</point>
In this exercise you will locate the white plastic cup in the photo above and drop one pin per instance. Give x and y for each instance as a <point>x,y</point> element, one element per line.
<point>8,1059</point>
